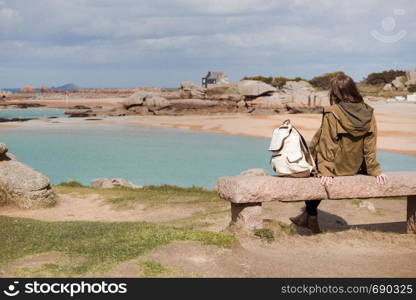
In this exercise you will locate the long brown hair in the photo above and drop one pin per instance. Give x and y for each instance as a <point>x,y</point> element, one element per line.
<point>344,89</point>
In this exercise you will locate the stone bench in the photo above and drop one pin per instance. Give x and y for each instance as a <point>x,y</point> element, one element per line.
<point>247,193</point>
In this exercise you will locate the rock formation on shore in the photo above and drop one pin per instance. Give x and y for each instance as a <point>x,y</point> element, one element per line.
<point>402,83</point>
<point>21,185</point>
<point>112,183</point>
<point>28,89</point>
<point>246,96</point>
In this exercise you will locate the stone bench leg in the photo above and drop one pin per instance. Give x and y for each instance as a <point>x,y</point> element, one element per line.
<point>411,214</point>
<point>247,215</point>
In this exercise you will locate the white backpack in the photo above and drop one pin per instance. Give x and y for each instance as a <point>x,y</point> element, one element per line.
<point>290,152</point>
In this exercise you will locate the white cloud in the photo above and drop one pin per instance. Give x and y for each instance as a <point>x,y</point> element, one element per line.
<point>239,35</point>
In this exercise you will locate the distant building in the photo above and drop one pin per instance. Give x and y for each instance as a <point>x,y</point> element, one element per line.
<point>214,78</point>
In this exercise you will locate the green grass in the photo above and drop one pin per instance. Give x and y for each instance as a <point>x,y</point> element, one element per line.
<point>152,195</point>
<point>71,183</point>
<point>153,269</point>
<point>264,234</point>
<point>99,244</point>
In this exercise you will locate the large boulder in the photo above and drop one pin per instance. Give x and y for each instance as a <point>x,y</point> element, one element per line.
<point>411,77</point>
<point>112,183</point>
<point>23,186</point>
<point>156,102</point>
<point>28,89</point>
<point>4,94</point>
<point>399,81</point>
<point>136,99</point>
<point>388,87</point>
<point>275,101</point>
<point>254,88</point>
<point>192,90</point>
<point>299,92</point>
<point>3,148</point>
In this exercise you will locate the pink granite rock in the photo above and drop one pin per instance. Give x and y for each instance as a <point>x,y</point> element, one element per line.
<point>247,215</point>
<point>249,189</point>
<point>362,186</point>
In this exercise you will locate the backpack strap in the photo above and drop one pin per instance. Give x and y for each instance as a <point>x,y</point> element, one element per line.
<point>305,148</point>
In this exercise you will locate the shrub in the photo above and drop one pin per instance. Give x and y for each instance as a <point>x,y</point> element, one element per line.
<point>281,81</point>
<point>276,82</point>
<point>267,80</point>
<point>71,183</point>
<point>383,77</point>
<point>323,81</point>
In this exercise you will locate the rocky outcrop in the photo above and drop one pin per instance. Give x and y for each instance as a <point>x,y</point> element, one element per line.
<point>28,89</point>
<point>21,185</point>
<point>136,99</point>
<point>274,101</point>
<point>411,77</point>
<point>254,88</point>
<point>192,90</point>
<point>112,183</point>
<point>44,89</point>
<point>4,94</point>
<point>388,87</point>
<point>156,102</point>
<point>399,82</point>
<point>80,113</point>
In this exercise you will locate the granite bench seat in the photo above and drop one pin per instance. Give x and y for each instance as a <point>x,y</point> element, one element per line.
<point>247,193</point>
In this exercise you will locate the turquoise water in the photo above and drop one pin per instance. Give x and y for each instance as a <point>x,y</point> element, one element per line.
<point>31,113</point>
<point>147,155</point>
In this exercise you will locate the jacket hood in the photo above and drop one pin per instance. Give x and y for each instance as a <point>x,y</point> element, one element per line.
<point>355,118</point>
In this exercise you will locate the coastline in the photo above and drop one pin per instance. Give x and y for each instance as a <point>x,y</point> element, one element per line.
<point>396,124</point>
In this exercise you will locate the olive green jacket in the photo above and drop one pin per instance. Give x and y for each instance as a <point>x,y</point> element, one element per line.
<point>346,142</point>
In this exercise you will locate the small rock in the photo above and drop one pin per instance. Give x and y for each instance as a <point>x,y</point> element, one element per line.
<point>3,148</point>
<point>111,183</point>
<point>254,172</point>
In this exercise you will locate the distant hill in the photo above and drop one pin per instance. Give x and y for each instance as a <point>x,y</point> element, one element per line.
<point>66,87</point>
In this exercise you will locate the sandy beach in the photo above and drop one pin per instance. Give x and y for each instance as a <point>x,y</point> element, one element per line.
<point>396,124</point>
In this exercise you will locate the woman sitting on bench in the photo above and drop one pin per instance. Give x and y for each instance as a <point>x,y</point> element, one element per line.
<point>344,145</point>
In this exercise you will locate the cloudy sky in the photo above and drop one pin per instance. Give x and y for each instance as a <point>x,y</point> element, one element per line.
<point>129,43</point>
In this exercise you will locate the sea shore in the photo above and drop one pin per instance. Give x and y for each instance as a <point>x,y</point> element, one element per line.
<point>396,121</point>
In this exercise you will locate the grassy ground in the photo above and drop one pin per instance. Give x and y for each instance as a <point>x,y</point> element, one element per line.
<point>93,247</point>
<point>206,203</point>
<point>167,231</point>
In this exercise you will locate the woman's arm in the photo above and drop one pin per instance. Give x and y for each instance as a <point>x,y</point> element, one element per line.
<point>370,151</point>
<point>370,155</point>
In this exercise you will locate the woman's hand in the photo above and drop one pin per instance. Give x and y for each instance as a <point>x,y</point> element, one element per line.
<point>382,178</point>
<point>327,180</point>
